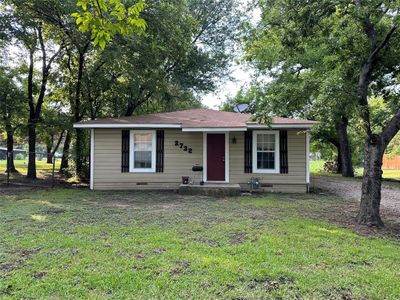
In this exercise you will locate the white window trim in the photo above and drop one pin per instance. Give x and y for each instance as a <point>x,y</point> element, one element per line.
<point>277,146</point>
<point>132,153</point>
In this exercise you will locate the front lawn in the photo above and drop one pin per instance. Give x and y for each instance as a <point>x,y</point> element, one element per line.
<point>70,243</point>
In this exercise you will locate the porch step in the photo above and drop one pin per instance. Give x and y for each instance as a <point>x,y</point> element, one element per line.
<point>218,189</point>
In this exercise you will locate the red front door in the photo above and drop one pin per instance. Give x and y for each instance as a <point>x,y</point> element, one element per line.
<point>216,157</point>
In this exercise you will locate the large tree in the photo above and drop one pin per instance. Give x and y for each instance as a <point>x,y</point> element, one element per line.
<point>184,52</point>
<point>350,50</point>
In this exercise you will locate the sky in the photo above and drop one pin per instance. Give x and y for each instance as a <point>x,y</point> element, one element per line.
<point>240,76</point>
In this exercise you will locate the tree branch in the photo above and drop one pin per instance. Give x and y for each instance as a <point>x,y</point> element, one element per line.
<point>391,129</point>
<point>385,41</point>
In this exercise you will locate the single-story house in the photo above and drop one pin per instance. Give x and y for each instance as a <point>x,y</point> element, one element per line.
<point>155,151</point>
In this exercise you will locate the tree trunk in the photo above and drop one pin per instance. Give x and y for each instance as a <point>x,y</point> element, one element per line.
<point>80,150</point>
<point>10,149</point>
<point>49,154</point>
<point>65,157</point>
<point>339,160</point>
<point>345,150</point>
<point>80,145</point>
<point>32,151</point>
<point>371,185</point>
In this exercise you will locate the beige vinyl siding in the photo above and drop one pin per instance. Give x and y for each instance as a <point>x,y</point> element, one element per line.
<point>177,163</point>
<point>294,181</point>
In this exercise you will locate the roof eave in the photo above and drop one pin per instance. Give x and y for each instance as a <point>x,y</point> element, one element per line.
<point>281,126</point>
<point>213,129</point>
<point>114,125</point>
<point>191,129</point>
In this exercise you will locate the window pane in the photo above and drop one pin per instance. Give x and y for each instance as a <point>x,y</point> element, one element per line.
<point>265,142</point>
<point>142,160</point>
<point>142,148</point>
<point>269,147</point>
<point>261,138</point>
<point>265,160</point>
<point>142,137</point>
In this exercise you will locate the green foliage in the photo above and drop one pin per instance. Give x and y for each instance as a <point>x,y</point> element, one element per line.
<point>105,18</point>
<point>183,53</point>
<point>244,96</point>
<point>19,156</point>
<point>312,54</point>
<point>11,99</point>
<point>394,146</point>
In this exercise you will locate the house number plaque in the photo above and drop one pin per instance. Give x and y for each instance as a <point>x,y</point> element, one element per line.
<point>183,147</point>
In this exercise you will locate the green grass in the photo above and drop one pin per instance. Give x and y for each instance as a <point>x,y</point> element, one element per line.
<point>22,166</point>
<point>69,243</point>
<point>43,171</point>
<point>317,168</point>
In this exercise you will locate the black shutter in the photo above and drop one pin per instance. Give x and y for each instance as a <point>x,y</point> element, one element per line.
<point>125,152</point>
<point>283,151</point>
<point>248,149</point>
<point>160,151</point>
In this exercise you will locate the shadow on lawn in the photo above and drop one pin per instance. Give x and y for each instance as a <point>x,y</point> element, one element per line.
<point>161,206</point>
<point>343,212</point>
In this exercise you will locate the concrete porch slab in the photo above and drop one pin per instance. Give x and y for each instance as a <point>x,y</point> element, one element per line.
<point>210,189</point>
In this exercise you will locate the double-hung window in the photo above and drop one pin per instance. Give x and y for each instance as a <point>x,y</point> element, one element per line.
<point>266,151</point>
<point>143,151</point>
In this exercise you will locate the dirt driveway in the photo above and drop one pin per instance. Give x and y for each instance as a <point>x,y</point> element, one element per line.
<point>351,188</point>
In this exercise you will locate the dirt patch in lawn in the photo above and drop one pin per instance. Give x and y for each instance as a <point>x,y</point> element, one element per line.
<point>54,211</point>
<point>238,238</point>
<point>181,267</point>
<point>8,266</point>
<point>343,212</point>
<point>269,284</point>
<point>208,242</point>
<point>23,255</point>
<point>39,275</point>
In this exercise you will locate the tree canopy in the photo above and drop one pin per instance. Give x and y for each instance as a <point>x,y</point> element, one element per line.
<point>91,59</point>
<point>328,60</point>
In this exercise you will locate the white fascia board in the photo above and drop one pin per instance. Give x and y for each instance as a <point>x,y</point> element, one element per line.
<point>215,129</point>
<point>107,126</point>
<point>277,126</point>
<point>92,159</point>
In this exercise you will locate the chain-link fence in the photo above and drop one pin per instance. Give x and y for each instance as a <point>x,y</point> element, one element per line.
<point>14,168</point>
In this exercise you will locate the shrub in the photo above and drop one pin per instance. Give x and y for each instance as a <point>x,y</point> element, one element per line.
<point>19,156</point>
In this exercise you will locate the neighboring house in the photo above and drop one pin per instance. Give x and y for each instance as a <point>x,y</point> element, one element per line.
<point>154,151</point>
